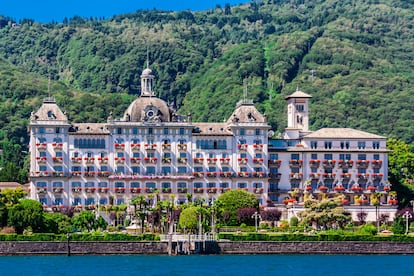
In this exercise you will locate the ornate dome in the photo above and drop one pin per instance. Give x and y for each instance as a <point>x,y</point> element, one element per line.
<point>148,109</point>
<point>147,72</point>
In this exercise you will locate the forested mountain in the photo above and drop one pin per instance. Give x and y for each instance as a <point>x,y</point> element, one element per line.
<point>354,57</point>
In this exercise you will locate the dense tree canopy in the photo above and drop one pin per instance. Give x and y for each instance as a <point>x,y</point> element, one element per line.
<point>230,202</point>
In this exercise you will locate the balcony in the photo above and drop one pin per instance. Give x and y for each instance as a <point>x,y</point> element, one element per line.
<point>211,174</point>
<point>89,174</point>
<point>346,176</point>
<point>275,175</point>
<point>198,190</point>
<point>363,176</point>
<point>243,174</point>
<point>76,173</point>
<point>356,188</point>
<point>135,160</point>
<point>103,190</point>
<point>345,164</point>
<point>135,190</point>
<point>76,189</point>
<point>41,190</point>
<point>258,174</point>
<point>329,176</point>
<point>296,176</point>
<point>56,173</point>
<point>328,163</point>
<point>76,160</point>
<point>371,189</point>
<point>41,146</point>
<point>150,147</point>
<point>242,161</point>
<point>135,147</point>
<point>118,146</point>
<point>103,160</point>
<point>225,161</point>
<point>182,147</point>
<point>223,190</point>
<point>258,147</point>
<point>377,176</point>
<point>166,190</point>
<point>362,164</point>
<point>258,161</point>
<point>166,160</point>
<point>225,174</point>
<point>376,164</point>
<point>57,146</point>
<point>339,188</point>
<point>242,147</point>
<point>90,190</point>
<point>57,159</point>
<point>275,163</point>
<point>57,190</point>
<point>198,160</point>
<point>166,147</point>
<point>89,160</point>
<point>182,190</point>
<point>198,174</point>
<point>314,176</point>
<point>150,160</point>
<point>211,161</point>
<point>323,189</point>
<point>314,163</point>
<point>119,190</point>
<point>43,173</point>
<point>41,160</point>
<point>119,160</point>
<point>102,173</point>
<point>212,190</point>
<point>295,163</point>
<point>258,190</point>
<point>182,160</point>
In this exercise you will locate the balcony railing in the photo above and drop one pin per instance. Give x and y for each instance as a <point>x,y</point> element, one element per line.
<point>314,176</point>
<point>275,162</point>
<point>150,147</point>
<point>198,190</point>
<point>258,147</point>
<point>346,175</point>
<point>258,161</point>
<point>135,160</point>
<point>118,146</point>
<point>76,159</point>
<point>182,160</point>
<point>363,176</point>
<point>41,160</point>
<point>295,163</point>
<point>329,163</point>
<point>135,147</point>
<point>362,163</point>
<point>182,190</point>
<point>258,174</point>
<point>242,161</point>
<point>166,147</point>
<point>211,161</point>
<point>41,146</point>
<point>212,190</point>
<point>41,190</point>
<point>242,147</point>
<point>314,163</point>
<point>258,190</point>
<point>89,160</point>
<point>223,190</point>
<point>76,189</point>
<point>103,160</point>
<point>376,164</point>
<point>119,160</point>
<point>296,176</point>
<point>89,174</point>
<point>135,190</point>
<point>150,160</point>
<point>76,173</point>
<point>329,175</point>
<point>119,190</point>
<point>90,189</point>
<point>224,161</point>
<point>182,147</point>
<point>275,175</point>
<point>166,190</point>
<point>102,173</point>
<point>103,190</point>
<point>243,174</point>
<point>211,174</point>
<point>166,160</point>
<point>198,160</point>
<point>57,146</point>
<point>198,174</point>
<point>345,164</point>
<point>57,190</point>
<point>377,176</point>
<point>225,174</point>
<point>57,159</point>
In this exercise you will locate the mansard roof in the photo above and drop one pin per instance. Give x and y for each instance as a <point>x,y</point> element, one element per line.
<point>49,111</point>
<point>214,129</point>
<point>341,133</point>
<point>89,129</point>
<point>246,112</point>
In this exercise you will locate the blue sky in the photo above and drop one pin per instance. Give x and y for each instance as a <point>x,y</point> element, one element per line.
<point>49,10</point>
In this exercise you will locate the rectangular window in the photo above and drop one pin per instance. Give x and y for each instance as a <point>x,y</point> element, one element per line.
<point>41,130</point>
<point>314,156</point>
<point>182,170</point>
<point>294,156</point>
<point>314,144</point>
<point>274,156</point>
<point>198,185</point>
<point>328,144</point>
<point>242,185</point>
<point>361,145</point>
<point>327,156</point>
<point>182,131</point>
<point>375,145</point>
<point>165,131</point>
<point>181,185</point>
<point>135,131</point>
<point>300,107</point>
<point>150,131</point>
<point>224,185</point>
<point>119,130</point>
<point>150,170</point>
<point>166,170</point>
<point>242,131</point>
<point>344,144</point>
<point>136,170</point>
<point>257,132</point>
<point>362,156</point>
<point>57,130</point>
<point>376,157</point>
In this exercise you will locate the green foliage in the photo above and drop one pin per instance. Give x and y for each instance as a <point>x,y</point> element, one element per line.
<point>189,218</point>
<point>231,201</point>
<point>367,229</point>
<point>26,213</point>
<point>79,237</point>
<point>87,221</point>
<point>398,225</point>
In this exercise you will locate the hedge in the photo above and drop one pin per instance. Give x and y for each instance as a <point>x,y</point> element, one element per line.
<point>314,237</point>
<point>79,237</point>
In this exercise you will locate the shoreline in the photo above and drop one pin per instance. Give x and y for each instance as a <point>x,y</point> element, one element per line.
<point>206,248</point>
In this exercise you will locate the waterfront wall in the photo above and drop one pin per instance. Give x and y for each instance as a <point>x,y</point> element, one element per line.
<point>157,248</point>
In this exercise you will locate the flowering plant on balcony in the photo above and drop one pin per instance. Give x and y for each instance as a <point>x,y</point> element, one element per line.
<point>76,189</point>
<point>198,190</point>
<point>212,190</point>
<point>103,189</point>
<point>258,190</point>
<point>308,188</point>
<point>356,188</point>
<point>387,188</point>
<point>323,188</point>
<point>339,188</point>
<point>371,188</point>
<point>242,146</point>
<point>119,190</point>
<point>275,161</point>
<point>166,190</point>
<point>135,190</point>
<point>393,201</point>
<point>211,174</point>
<point>182,190</point>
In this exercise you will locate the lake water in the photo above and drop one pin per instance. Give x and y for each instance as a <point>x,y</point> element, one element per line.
<point>208,265</point>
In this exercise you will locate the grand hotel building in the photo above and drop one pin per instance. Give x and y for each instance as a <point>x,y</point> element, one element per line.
<point>153,149</point>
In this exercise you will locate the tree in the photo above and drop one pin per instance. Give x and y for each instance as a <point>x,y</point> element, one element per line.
<point>271,215</point>
<point>189,218</point>
<point>86,220</point>
<point>326,213</point>
<point>56,223</point>
<point>27,213</point>
<point>233,200</point>
<point>245,215</point>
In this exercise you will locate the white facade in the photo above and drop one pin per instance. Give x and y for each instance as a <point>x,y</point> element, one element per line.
<point>152,149</point>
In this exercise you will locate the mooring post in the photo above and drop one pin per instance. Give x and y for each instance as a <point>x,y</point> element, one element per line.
<point>67,244</point>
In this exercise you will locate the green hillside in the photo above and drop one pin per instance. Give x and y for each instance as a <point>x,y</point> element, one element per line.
<point>353,56</point>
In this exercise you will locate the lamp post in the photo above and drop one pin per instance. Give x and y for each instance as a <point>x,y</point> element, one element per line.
<point>67,244</point>
<point>256,217</point>
<point>406,216</point>
<point>412,204</point>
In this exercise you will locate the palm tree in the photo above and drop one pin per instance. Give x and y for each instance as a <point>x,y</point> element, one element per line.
<point>141,211</point>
